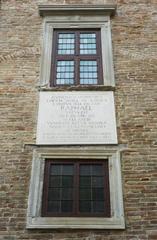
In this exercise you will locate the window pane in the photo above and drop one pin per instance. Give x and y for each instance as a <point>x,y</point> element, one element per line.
<point>67,193</point>
<point>85,182</point>
<point>97,169</point>
<point>88,72</point>
<point>65,72</point>
<point>88,43</point>
<point>98,206</point>
<point>53,206</point>
<point>85,206</point>
<point>60,191</point>
<point>55,181</point>
<point>85,194</point>
<point>55,169</point>
<point>85,169</point>
<point>68,169</point>
<point>98,194</point>
<point>66,206</point>
<point>66,43</point>
<point>67,181</point>
<point>98,182</point>
<point>54,194</point>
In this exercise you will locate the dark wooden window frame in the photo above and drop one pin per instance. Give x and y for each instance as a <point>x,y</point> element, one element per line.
<point>76,212</point>
<point>77,57</point>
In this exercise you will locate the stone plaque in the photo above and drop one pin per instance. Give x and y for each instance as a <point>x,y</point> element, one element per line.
<point>76,118</point>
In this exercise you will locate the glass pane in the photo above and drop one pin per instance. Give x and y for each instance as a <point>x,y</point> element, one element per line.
<point>85,182</point>
<point>65,72</point>
<point>97,169</point>
<point>85,194</point>
<point>98,182</point>
<point>66,43</point>
<point>98,206</point>
<point>55,181</point>
<point>67,169</point>
<point>88,72</point>
<point>67,206</point>
<point>98,194</point>
<point>56,169</point>
<point>54,194</point>
<point>53,206</point>
<point>67,193</point>
<point>88,43</point>
<point>85,206</point>
<point>85,169</point>
<point>67,181</point>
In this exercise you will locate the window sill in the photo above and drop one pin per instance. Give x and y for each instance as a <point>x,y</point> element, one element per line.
<point>77,88</point>
<point>75,223</point>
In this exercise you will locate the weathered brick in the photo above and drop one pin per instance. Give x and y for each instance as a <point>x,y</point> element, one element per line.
<point>134,39</point>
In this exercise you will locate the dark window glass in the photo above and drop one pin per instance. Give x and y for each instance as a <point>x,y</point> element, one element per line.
<point>97,194</point>
<point>54,194</point>
<point>85,181</point>
<point>85,194</point>
<point>68,169</point>
<point>76,189</point>
<point>76,58</point>
<point>67,206</point>
<point>97,169</point>
<point>98,206</point>
<point>55,181</point>
<point>97,182</point>
<point>91,185</point>
<point>67,181</point>
<point>53,206</point>
<point>67,193</point>
<point>56,169</point>
<point>85,206</point>
<point>85,169</point>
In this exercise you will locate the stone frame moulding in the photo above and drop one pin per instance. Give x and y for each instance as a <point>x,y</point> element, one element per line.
<point>34,218</point>
<point>77,17</point>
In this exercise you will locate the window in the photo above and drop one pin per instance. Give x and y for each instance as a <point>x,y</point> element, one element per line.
<point>76,188</point>
<point>76,58</point>
<point>77,46</point>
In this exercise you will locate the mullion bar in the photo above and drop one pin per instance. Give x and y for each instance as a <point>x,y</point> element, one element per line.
<point>77,82</point>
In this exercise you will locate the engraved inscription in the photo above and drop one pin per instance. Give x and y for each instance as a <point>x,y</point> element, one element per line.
<point>76,118</point>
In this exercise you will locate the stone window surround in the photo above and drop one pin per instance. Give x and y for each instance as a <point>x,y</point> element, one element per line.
<point>34,219</point>
<point>77,16</point>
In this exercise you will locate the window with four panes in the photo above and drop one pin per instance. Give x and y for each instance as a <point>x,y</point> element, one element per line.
<point>76,58</point>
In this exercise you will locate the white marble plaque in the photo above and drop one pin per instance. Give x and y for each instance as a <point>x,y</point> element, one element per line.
<point>76,118</point>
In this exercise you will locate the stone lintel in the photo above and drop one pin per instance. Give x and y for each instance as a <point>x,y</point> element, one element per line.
<point>106,9</point>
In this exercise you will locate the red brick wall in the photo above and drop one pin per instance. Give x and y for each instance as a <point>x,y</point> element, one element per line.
<point>134,39</point>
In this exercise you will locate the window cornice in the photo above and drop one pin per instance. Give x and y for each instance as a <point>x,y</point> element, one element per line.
<point>45,10</point>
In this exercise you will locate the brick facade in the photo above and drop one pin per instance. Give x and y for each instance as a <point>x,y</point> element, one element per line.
<point>134,51</point>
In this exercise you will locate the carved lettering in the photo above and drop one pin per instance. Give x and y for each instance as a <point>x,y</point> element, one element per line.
<point>76,118</point>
